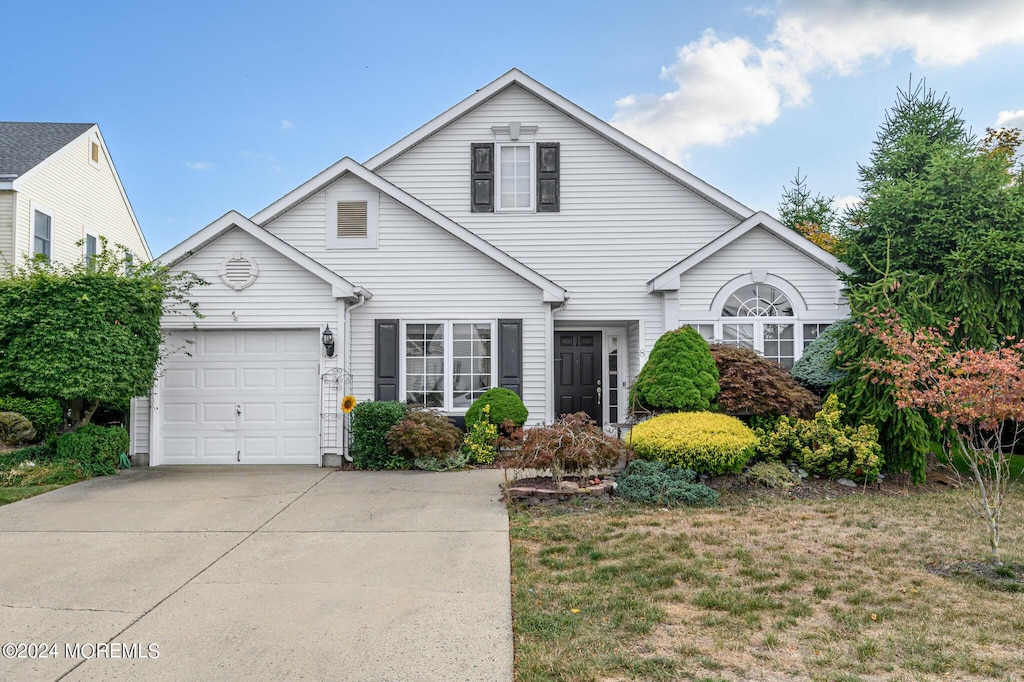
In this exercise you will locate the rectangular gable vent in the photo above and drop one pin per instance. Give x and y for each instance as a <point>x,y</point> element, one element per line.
<point>352,220</point>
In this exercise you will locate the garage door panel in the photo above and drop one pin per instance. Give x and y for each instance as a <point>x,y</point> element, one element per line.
<point>272,375</point>
<point>259,377</point>
<point>259,413</point>
<point>218,344</point>
<point>298,377</point>
<point>180,414</point>
<point>219,413</point>
<point>180,378</point>
<point>219,378</point>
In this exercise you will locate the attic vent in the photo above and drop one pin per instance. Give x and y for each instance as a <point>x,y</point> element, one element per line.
<point>351,220</point>
<point>238,271</point>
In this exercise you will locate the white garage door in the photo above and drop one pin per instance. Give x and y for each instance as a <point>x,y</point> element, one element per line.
<point>249,397</point>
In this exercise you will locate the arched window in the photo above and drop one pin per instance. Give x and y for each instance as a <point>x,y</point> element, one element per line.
<point>747,322</point>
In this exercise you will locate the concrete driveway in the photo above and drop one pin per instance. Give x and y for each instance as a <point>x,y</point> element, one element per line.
<point>259,573</point>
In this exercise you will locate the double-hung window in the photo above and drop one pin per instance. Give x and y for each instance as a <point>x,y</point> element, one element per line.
<point>515,177</point>
<point>447,364</point>
<point>42,235</point>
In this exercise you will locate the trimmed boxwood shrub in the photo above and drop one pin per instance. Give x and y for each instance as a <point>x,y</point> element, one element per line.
<point>657,483</point>
<point>45,414</point>
<point>505,405</point>
<point>680,374</point>
<point>816,367</point>
<point>705,442</point>
<point>95,449</point>
<point>370,424</point>
<point>752,385</point>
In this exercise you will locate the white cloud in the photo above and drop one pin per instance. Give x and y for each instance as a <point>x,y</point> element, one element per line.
<point>842,204</point>
<point>286,124</point>
<point>199,165</point>
<point>725,87</point>
<point>1010,119</point>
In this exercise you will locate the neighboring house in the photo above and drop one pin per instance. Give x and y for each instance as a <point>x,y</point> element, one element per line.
<point>59,194</point>
<point>515,240</point>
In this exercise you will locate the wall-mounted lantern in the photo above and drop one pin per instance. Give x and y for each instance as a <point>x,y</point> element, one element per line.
<point>328,340</point>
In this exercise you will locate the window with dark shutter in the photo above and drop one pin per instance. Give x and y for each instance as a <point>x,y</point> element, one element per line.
<point>547,177</point>
<point>482,171</point>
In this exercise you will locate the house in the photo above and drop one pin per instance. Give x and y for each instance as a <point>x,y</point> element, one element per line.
<point>60,194</point>
<point>515,240</point>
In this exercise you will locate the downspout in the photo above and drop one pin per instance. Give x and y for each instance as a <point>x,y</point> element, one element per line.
<point>347,360</point>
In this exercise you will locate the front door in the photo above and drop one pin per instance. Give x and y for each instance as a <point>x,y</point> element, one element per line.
<point>578,373</point>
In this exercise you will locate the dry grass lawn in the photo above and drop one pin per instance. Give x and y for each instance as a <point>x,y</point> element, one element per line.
<point>856,588</point>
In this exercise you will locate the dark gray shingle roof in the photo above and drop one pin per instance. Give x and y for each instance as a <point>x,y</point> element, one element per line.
<point>25,145</point>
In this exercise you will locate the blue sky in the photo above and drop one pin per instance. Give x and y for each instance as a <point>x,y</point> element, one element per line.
<point>212,106</point>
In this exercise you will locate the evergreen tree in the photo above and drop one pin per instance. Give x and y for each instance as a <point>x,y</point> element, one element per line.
<point>812,216</point>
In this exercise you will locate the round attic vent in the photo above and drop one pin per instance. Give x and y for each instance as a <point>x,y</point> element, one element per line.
<point>238,271</point>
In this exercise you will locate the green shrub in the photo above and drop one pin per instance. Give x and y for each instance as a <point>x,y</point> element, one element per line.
<point>505,406</point>
<point>45,414</point>
<point>481,443</point>
<point>30,473</point>
<point>423,434</point>
<point>824,445</point>
<point>370,424</point>
<point>95,449</point>
<point>656,483</point>
<point>705,442</point>
<point>15,429</point>
<point>752,385</point>
<point>32,453</point>
<point>816,367</point>
<point>453,462</point>
<point>680,374</point>
<point>571,444</point>
<point>773,475</point>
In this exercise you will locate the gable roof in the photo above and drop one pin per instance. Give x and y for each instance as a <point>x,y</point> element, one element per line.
<point>552,293</point>
<point>669,279</point>
<point>231,220</point>
<point>23,146</point>
<point>576,112</point>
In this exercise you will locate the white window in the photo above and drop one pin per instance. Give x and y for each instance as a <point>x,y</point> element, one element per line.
<point>91,247</point>
<point>129,262</point>
<point>447,365</point>
<point>761,317</point>
<point>42,235</point>
<point>515,178</point>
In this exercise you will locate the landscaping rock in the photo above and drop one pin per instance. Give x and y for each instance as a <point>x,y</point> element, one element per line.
<point>847,482</point>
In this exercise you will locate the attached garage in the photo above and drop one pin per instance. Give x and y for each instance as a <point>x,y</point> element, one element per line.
<point>240,396</point>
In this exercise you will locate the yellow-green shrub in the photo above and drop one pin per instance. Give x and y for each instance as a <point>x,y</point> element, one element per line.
<point>824,445</point>
<point>703,441</point>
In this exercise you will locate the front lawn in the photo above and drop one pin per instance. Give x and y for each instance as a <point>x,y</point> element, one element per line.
<point>844,589</point>
<point>14,494</point>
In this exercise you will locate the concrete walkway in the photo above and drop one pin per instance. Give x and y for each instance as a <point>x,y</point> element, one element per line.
<point>260,573</point>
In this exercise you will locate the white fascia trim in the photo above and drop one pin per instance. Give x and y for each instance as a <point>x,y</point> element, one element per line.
<point>582,116</point>
<point>669,279</point>
<point>340,286</point>
<point>7,184</point>
<point>94,130</point>
<point>551,292</point>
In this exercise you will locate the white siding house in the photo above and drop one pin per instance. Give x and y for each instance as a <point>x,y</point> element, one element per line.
<point>60,193</point>
<point>515,240</point>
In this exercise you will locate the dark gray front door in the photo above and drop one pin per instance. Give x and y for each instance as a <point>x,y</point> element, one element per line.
<point>578,373</point>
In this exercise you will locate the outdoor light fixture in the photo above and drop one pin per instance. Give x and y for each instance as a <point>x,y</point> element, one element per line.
<point>328,340</point>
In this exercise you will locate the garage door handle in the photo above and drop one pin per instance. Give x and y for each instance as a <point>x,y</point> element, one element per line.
<point>238,409</point>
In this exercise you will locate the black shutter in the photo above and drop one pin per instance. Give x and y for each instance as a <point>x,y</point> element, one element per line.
<point>482,183</point>
<point>547,177</point>
<point>510,355</point>
<point>385,360</point>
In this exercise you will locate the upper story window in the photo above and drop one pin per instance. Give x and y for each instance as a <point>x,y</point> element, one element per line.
<point>515,177</point>
<point>91,247</point>
<point>42,235</point>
